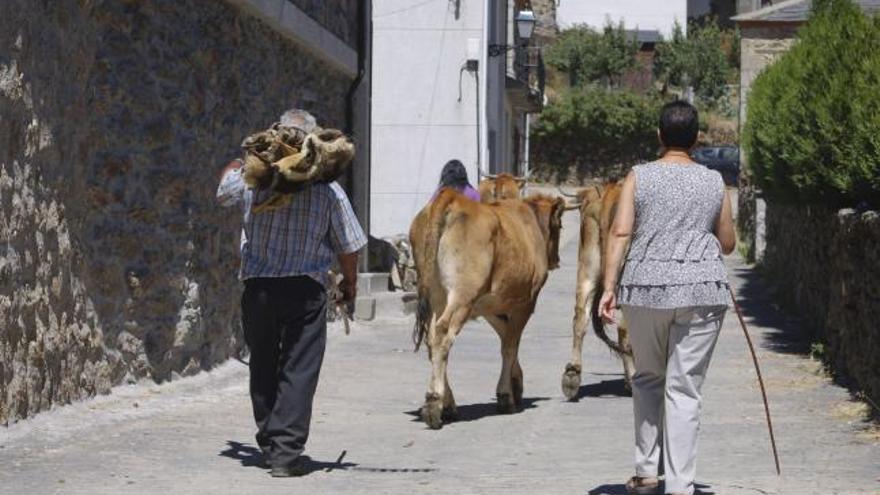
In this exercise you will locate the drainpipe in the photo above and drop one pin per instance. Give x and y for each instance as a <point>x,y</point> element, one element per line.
<point>361,50</point>
<point>359,175</point>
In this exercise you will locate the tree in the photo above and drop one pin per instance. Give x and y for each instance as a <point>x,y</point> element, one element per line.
<point>671,59</point>
<point>588,56</point>
<point>596,132</point>
<point>697,60</point>
<point>812,132</point>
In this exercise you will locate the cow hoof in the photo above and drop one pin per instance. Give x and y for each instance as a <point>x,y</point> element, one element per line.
<point>505,404</point>
<point>450,414</point>
<point>432,412</point>
<point>571,381</point>
<point>517,393</point>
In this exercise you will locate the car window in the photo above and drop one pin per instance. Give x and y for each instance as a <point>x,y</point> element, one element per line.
<point>704,154</point>
<point>729,154</point>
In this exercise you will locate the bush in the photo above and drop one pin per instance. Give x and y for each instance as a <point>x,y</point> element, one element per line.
<point>812,131</point>
<point>596,132</point>
<point>589,56</point>
<point>698,60</point>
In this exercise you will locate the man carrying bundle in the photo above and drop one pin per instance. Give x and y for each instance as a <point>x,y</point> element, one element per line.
<point>286,251</point>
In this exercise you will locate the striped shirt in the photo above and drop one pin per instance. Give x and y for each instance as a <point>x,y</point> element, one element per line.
<point>302,237</point>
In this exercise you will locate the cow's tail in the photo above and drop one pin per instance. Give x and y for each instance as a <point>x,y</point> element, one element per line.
<point>426,261</point>
<point>599,325</point>
<point>423,319</point>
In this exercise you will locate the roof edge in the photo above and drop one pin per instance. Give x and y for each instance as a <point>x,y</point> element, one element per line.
<point>756,15</point>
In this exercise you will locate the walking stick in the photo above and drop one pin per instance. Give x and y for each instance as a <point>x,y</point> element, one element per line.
<point>760,379</point>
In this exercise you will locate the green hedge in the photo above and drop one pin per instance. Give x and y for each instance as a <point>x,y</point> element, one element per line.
<point>812,131</point>
<point>595,132</point>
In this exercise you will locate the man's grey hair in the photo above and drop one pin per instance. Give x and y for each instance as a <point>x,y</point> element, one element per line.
<point>300,119</point>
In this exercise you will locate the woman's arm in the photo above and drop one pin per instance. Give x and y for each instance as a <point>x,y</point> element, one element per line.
<point>724,230</point>
<point>618,239</point>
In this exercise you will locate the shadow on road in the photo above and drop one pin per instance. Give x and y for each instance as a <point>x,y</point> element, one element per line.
<point>474,412</point>
<point>701,489</point>
<point>247,455</point>
<point>250,456</point>
<point>784,333</point>
<point>604,389</point>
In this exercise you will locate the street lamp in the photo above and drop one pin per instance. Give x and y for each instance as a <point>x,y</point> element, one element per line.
<point>525,26</point>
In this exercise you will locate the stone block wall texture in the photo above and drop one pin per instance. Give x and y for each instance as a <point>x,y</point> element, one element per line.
<point>546,29</point>
<point>826,265</point>
<point>115,118</point>
<point>759,47</point>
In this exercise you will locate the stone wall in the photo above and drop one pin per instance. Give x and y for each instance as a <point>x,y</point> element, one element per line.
<point>546,28</point>
<point>826,265</point>
<point>760,46</point>
<point>115,117</point>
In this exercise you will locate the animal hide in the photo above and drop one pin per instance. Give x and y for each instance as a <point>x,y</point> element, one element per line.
<point>286,159</point>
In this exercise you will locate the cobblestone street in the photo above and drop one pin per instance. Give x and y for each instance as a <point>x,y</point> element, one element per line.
<point>195,435</point>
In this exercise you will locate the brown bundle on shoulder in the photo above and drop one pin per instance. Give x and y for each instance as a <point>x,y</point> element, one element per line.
<point>287,159</point>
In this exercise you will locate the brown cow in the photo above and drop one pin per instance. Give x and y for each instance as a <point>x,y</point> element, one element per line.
<point>502,186</point>
<point>473,260</point>
<point>598,206</point>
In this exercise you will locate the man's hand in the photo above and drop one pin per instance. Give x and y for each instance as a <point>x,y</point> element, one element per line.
<point>348,286</point>
<point>348,290</point>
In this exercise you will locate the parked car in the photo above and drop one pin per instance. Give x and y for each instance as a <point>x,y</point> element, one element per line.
<point>724,159</point>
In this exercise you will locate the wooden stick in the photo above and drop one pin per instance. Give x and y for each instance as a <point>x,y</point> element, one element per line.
<point>760,379</point>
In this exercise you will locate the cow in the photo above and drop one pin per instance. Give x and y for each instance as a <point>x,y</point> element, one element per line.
<point>598,206</point>
<point>502,186</point>
<point>480,260</point>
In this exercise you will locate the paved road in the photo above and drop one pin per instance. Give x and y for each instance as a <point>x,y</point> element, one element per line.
<point>195,435</point>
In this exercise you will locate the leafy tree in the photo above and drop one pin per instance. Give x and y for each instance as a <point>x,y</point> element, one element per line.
<point>698,60</point>
<point>597,132</point>
<point>589,56</point>
<point>812,132</point>
<point>672,58</point>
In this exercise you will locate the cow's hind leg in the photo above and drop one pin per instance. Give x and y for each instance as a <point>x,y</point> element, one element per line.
<point>443,332</point>
<point>509,392</point>
<point>571,377</point>
<point>450,410</point>
<point>516,380</point>
<point>504,391</point>
<point>627,357</point>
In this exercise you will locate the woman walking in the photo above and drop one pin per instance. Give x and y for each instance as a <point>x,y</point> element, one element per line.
<point>454,175</point>
<point>676,217</point>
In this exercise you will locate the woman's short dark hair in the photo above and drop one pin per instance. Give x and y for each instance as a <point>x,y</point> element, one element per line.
<point>453,175</point>
<point>679,124</point>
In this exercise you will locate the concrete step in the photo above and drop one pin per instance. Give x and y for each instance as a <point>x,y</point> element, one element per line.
<point>373,283</point>
<point>385,305</point>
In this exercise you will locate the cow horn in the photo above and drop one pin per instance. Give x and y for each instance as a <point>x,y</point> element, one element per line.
<point>566,194</point>
<point>572,206</point>
<point>521,179</point>
<point>490,176</point>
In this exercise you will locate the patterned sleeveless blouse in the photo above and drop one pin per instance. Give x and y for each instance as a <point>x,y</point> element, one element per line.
<point>674,259</point>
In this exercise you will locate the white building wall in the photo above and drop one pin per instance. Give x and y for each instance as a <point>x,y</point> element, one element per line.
<point>418,122</point>
<point>636,14</point>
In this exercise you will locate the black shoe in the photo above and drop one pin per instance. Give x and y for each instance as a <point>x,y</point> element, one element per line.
<point>299,467</point>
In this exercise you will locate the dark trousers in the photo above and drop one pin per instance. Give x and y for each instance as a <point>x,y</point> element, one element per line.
<point>285,328</point>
